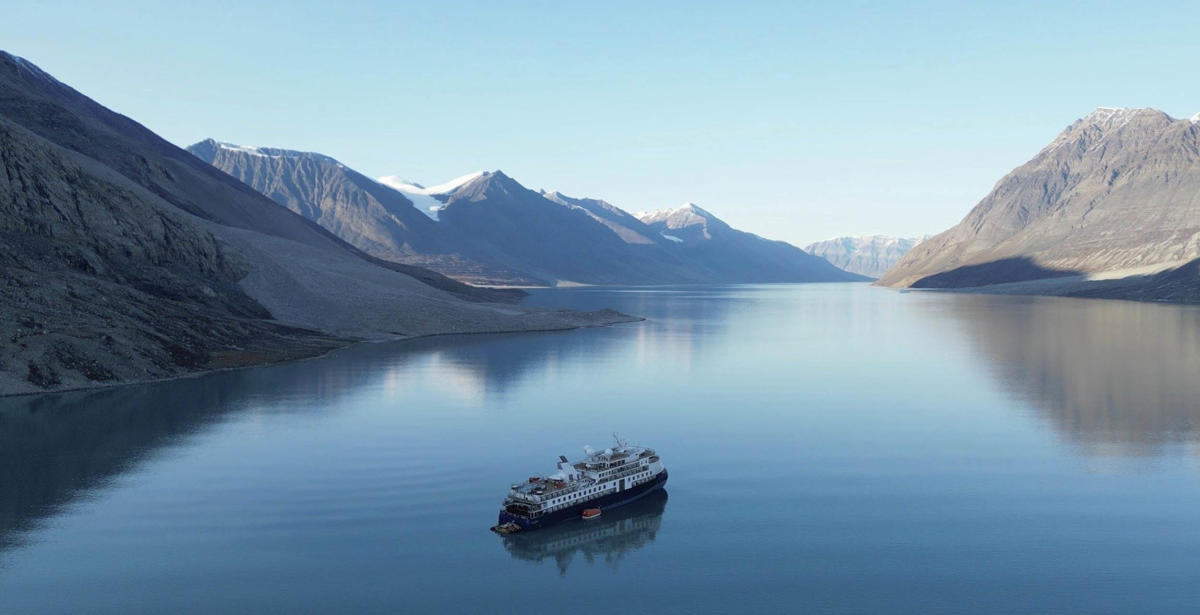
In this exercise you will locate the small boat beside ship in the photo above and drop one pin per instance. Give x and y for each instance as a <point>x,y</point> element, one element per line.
<point>582,489</point>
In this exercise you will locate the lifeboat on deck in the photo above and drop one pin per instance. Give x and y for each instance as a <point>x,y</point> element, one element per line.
<point>591,513</point>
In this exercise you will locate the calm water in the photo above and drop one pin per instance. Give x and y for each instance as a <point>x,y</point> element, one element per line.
<point>832,448</point>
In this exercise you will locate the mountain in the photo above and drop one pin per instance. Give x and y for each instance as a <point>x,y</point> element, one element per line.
<point>428,200</point>
<point>123,257</point>
<point>1116,193</point>
<point>485,227</point>
<point>867,255</point>
<point>565,243</point>
<point>733,255</point>
<point>592,241</point>
<point>624,224</point>
<point>371,216</point>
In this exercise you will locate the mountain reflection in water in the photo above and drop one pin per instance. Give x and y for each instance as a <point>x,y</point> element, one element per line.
<point>877,452</point>
<point>57,446</point>
<point>607,539</point>
<point>1115,377</point>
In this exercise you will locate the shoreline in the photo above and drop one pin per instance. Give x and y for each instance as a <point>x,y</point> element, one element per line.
<point>350,343</point>
<point>1069,288</point>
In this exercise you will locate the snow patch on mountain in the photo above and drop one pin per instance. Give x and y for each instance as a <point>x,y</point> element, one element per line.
<point>403,185</point>
<point>687,209</point>
<point>426,199</point>
<point>271,152</point>
<point>253,150</point>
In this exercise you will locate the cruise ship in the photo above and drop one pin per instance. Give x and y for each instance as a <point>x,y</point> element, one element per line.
<point>600,481</point>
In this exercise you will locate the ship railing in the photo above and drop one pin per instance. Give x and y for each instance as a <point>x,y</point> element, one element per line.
<point>570,504</point>
<point>573,489</point>
<point>563,505</point>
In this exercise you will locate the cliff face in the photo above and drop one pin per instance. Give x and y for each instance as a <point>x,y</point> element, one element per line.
<point>351,206</point>
<point>1117,190</point>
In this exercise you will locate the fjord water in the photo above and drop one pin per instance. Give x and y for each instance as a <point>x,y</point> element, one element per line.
<point>833,448</point>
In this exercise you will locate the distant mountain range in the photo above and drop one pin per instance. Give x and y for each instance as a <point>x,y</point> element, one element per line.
<point>1111,207</point>
<point>870,255</point>
<point>486,228</point>
<point>123,257</point>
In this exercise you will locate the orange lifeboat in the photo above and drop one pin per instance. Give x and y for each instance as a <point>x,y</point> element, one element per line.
<point>591,513</point>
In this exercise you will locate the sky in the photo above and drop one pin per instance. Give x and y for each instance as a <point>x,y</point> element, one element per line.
<point>797,121</point>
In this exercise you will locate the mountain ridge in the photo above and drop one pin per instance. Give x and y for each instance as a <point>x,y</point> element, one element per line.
<point>126,258</point>
<point>869,255</point>
<point>537,238</point>
<point>1118,189</point>
<point>373,217</point>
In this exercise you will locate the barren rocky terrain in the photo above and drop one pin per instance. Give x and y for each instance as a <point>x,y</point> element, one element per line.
<point>124,258</point>
<point>1118,189</point>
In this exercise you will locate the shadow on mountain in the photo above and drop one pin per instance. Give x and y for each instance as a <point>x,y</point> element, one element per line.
<point>1016,269</point>
<point>1114,377</point>
<point>608,539</point>
<point>1179,285</point>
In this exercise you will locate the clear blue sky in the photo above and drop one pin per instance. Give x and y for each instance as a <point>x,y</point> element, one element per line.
<point>796,121</point>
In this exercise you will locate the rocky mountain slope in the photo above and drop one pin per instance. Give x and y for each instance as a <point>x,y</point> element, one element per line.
<point>733,255</point>
<point>486,227</point>
<point>868,255</point>
<point>126,258</point>
<point>624,224</point>
<point>1117,192</point>
<point>377,219</point>
<point>564,243</point>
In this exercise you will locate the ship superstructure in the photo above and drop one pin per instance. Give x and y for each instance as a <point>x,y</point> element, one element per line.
<point>602,479</point>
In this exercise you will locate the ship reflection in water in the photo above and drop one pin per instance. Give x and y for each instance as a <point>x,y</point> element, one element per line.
<point>608,539</point>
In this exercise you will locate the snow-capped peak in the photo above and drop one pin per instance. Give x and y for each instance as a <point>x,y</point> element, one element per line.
<point>688,208</point>
<point>694,208</point>
<point>426,199</point>
<point>1118,117</point>
<point>1195,119</point>
<point>1107,112</point>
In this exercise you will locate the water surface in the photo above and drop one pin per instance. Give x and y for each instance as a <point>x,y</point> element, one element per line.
<point>833,449</point>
